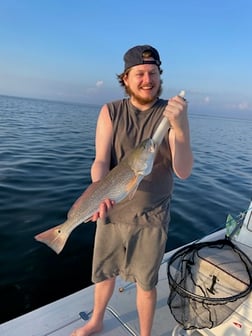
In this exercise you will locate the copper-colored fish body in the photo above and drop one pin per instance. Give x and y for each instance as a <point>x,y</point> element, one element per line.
<point>121,182</point>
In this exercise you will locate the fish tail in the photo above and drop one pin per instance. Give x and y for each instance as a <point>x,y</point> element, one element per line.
<point>55,238</point>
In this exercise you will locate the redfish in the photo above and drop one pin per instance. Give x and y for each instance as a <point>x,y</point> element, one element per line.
<point>120,182</point>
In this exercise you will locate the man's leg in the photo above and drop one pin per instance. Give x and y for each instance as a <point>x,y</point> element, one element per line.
<point>146,304</point>
<point>102,294</point>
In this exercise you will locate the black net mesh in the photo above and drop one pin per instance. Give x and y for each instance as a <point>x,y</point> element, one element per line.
<point>208,281</point>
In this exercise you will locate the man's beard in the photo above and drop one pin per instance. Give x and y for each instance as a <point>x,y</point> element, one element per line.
<point>142,100</point>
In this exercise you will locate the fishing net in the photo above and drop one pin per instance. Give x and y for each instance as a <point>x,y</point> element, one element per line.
<point>208,281</point>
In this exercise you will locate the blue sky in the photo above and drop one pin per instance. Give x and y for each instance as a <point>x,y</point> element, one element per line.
<point>72,50</point>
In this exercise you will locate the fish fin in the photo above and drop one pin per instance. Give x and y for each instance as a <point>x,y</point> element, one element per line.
<point>88,219</point>
<point>132,193</point>
<point>86,194</point>
<point>132,186</point>
<point>55,238</point>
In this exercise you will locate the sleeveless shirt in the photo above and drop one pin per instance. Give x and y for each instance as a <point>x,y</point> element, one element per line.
<point>150,204</point>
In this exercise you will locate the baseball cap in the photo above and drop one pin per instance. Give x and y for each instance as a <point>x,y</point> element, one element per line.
<point>135,56</point>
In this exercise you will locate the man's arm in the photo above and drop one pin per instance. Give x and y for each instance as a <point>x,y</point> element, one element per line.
<point>101,164</point>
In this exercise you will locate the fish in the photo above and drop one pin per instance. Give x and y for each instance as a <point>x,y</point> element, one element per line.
<point>120,182</point>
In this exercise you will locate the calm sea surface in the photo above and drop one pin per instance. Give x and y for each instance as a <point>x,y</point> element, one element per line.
<point>46,149</point>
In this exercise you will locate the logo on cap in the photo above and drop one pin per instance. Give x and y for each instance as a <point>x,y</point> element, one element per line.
<point>140,55</point>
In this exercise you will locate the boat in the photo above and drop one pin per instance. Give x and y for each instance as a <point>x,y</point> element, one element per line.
<point>61,317</point>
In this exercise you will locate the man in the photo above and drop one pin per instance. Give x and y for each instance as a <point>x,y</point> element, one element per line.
<point>131,236</point>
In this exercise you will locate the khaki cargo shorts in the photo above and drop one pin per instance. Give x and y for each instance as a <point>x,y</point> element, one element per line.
<point>133,252</point>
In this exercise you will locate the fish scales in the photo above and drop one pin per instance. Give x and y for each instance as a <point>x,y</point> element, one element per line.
<point>102,192</point>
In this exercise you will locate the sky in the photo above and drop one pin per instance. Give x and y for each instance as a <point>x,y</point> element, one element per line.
<point>71,50</point>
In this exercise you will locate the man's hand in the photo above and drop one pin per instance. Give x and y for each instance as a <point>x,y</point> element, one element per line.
<point>105,206</point>
<point>176,113</point>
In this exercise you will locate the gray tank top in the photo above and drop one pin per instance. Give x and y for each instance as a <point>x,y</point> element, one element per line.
<point>150,204</point>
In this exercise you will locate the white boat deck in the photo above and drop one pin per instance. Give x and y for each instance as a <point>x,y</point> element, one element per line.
<point>61,317</point>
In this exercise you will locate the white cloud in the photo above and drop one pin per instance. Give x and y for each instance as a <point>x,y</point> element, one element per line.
<point>243,106</point>
<point>207,99</point>
<point>99,83</point>
<point>95,89</point>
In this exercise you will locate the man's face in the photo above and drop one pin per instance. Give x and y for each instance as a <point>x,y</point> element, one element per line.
<point>143,83</point>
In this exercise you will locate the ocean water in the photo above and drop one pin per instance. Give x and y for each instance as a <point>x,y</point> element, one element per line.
<point>46,150</point>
